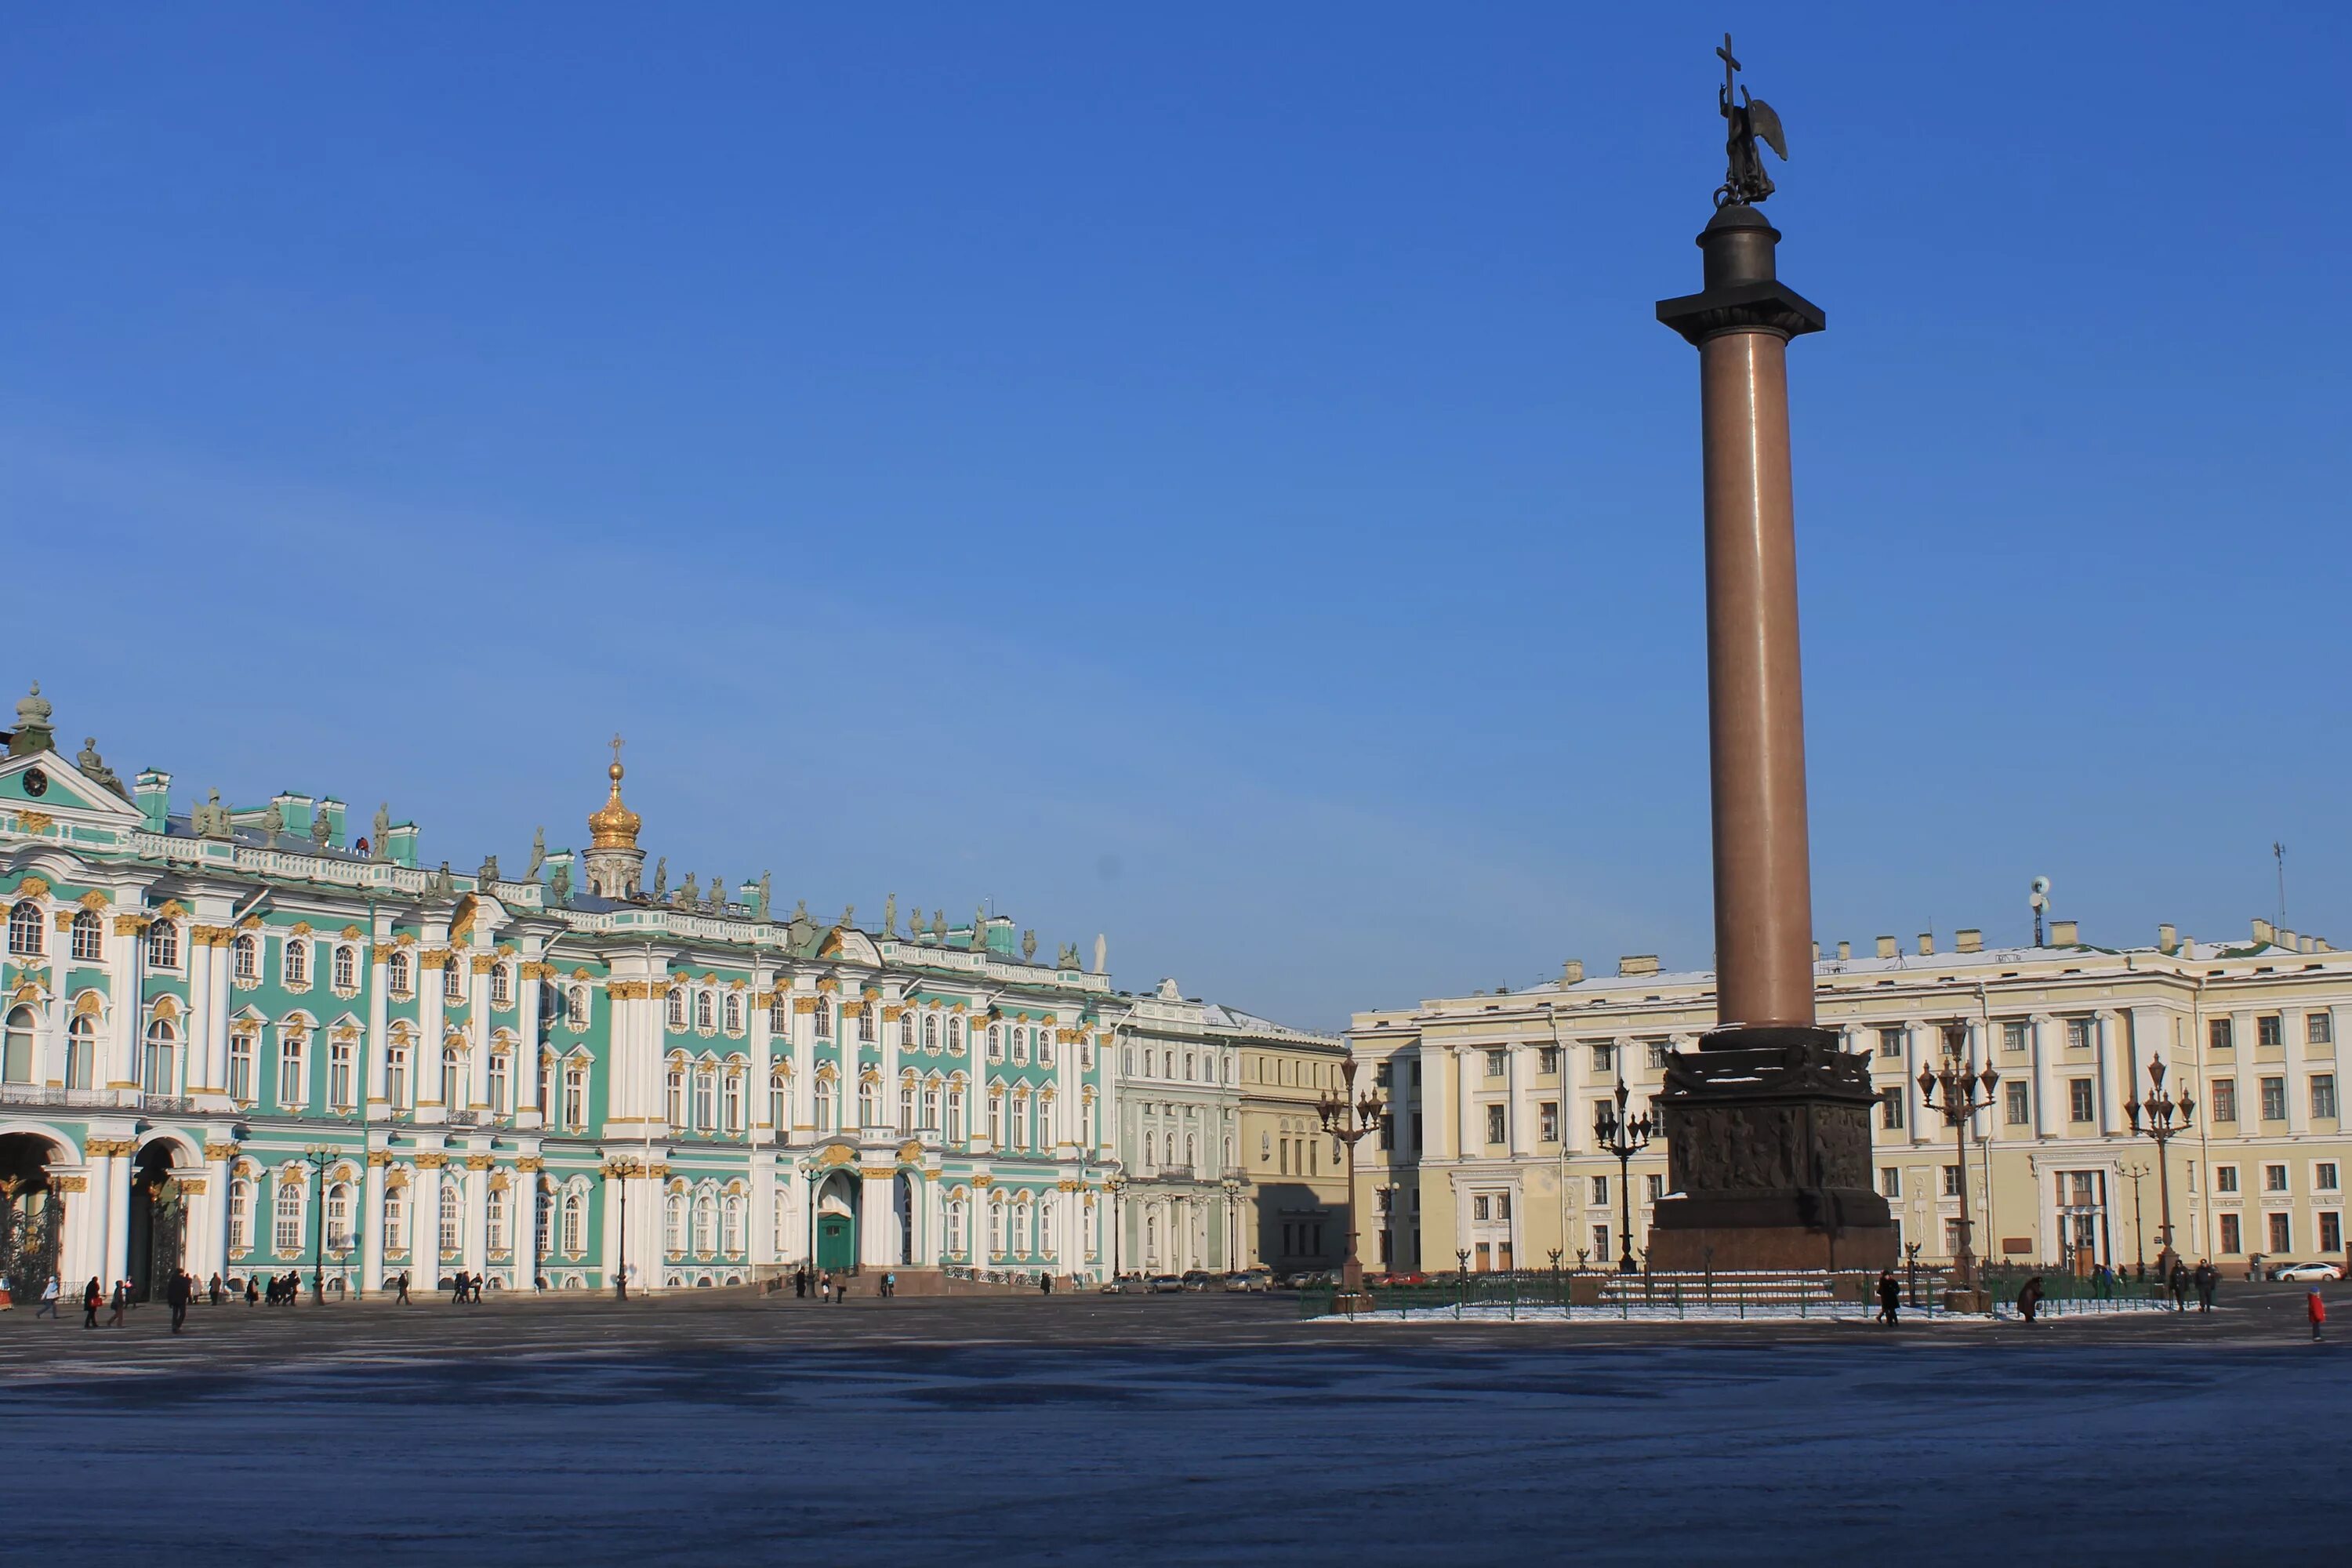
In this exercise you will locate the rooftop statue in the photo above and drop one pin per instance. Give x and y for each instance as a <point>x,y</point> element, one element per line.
<point>691,893</point>
<point>560,889</point>
<point>381,847</point>
<point>1102,954</point>
<point>890,915</point>
<point>1029,944</point>
<point>321,829</point>
<point>273,823</point>
<point>661,879</point>
<point>980,929</point>
<point>538,855</point>
<point>849,917</point>
<point>1750,120</point>
<point>486,878</point>
<point>761,909</point>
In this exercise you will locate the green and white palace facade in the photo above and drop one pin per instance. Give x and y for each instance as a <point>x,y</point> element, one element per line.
<point>250,1040</point>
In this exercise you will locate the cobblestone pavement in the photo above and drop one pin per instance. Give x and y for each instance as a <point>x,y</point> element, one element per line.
<point>1206,1429</point>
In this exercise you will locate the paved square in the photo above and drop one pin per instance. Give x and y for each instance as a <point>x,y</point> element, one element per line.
<point>1163,1429</point>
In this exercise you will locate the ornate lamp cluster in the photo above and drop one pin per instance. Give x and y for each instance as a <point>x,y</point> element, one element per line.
<point>1624,1136</point>
<point>1966,1092</point>
<point>2166,1117</point>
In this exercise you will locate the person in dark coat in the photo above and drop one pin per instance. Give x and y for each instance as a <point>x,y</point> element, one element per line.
<point>252,1292</point>
<point>800,1284</point>
<point>2029,1298</point>
<point>402,1299</point>
<point>2207,1279</point>
<point>1890,1296</point>
<point>92,1299</point>
<point>121,1303</point>
<point>178,1293</point>
<point>216,1290</point>
<point>2179,1284</point>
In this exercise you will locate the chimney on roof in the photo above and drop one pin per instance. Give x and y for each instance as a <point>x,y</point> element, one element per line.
<point>1888,947</point>
<point>2167,938</point>
<point>1845,952</point>
<point>1637,963</point>
<point>1968,938</point>
<point>2265,933</point>
<point>2287,940</point>
<point>152,796</point>
<point>1926,944</point>
<point>1572,973</point>
<point>2062,933</point>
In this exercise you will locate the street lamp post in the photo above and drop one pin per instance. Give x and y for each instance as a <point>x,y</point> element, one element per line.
<point>1231,1188</point>
<point>1624,1136</point>
<point>619,1172</point>
<point>1116,1183</point>
<point>2162,1110</point>
<point>2131,1173</point>
<point>319,1156</point>
<point>1961,1084</point>
<point>1349,1118</point>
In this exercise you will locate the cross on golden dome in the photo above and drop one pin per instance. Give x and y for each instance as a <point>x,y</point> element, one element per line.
<point>615,826</point>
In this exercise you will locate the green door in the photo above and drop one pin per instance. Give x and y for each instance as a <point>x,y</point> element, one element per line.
<point>836,1241</point>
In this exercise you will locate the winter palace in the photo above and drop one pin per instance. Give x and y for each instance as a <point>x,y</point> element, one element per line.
<point>1491,1157</point>
<point>246,1039</point>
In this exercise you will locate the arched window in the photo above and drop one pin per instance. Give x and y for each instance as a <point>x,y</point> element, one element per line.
<point>996,1116</point>
<point>501,1071</point>
<point>906,1031</point>
<point>995,1043</point>
<point>824,1019</point>
<point>158,1071</point>
<point>245,957</point>
<point>702,1018</point>
<point>240,1217</point>
<point>678,1007</point>
<point>732,1238</point>
<point>285,1234</point>
<point>734,1012</point>
<point>780,1103</point>
<point>955,1033</point>
<point>502,986</point>
<point>1193,1150</point>
<point>293,1084</point>
<point>730,1104</point>
<point>825,1105</point>
<point>931,1105</point>
<point>338,1074</point>
<point>955,1114</point>
<point>453,1242</point>
<point>575,1223</point>
<point>494,1220</point>
<point>297,962</point>
<point>453,1079</point>
<point>869,1113</point>
<point>162,945</point>
<point>995,1229</point>
<point>453,979</point>
<point>1045,1048</point>
<point>779,1017</point>
<point>81,1050</point>
<point>347,968</point>
<point>1021,1119</point>
<point>1045,1225</point>
<point>674,1224</point>
<point>706,1109</point>
<point>575,1007</point>
<point>25,929</point>
<point>955,1217</point>
<point>395,1072</point>
<point>674,1097</point>
<point>395,1220</point>
<point>89,938</point>
<point>931,1031</point>
<point>398,974</point>
<point>339,1217</point>
<point>866,1022</point>
<point>575,1096</point>
<point>705,1223</point>
<point>907,1107</point>
<point>240,1066</point>
<point>1024,1226</point>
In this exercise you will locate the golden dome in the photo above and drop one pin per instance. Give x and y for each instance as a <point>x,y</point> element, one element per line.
<point>615,826</point>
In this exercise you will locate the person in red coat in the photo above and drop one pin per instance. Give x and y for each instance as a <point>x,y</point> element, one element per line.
<point>2316,1311</point>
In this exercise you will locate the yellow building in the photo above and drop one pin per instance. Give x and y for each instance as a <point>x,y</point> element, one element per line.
<point>1492,1159</point>
<point>1297,1175</point>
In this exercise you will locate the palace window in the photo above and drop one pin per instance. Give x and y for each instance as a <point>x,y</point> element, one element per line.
<point>906,1109</point>
<point>162,945</point>
<point>453,1077</point>
<point>240,1217</point>
<point>1952,1182</point>
<point>1045,1047</point>
<point>674,1098</point>
<point>780,1102</point>
<point>866,1022</point>
<point>932,1106</point>
<point>731,1102</point>
<point>2275,1178</point>
<point>825,1105</point>
<point>2217,1034</point>
<point>453,979</point>
<point>2081,1034</point>
<point>1604,1057</point>
<point>1890,1181</point>
<point>706,1098</point>
<point>996,1119</point>
<point>1497,1125</point>
<point>286,1235</point>
<point>2225,1100</point>
<point>502,986</point>
<point>732,1213</point>
<point>1659,1051</point>
<point>734,1012</point>
<point>996,1047</point>
<point>703,1019</point>
<point>995,1229</point>
<point>1546,1061</point>
<point>399,974</point>
<point>2225,1178</point>
<point>1654,1187</point>
<point>955,1114</point>
<point>575,1224</point>
<point>339,1217</point>
<point>576,1006</point>
<point>89,938</point>
<point>1890,1109</point>
<point>395,1073</point>
<point>955,1225</point>
<point>955,1036</point>
<point>2322,1094</point>
<point>81,1050</point>
<point>2282,1233</point>
<point>575,1096</point>
<point>1890,1042</point>
<point>705,1223</point>
<point>1497,1063</point>
<point>339,1075</point>
<point>494,1220</point>
<point>347,968</point>
<point>453,1240</point>
<point>2079,1103</point>
<point>16,1059</point>
<point>906,1031</point>
<point>2319,1028</point>
<point>677,1008</point>
<point>502,1065</point>
<point>931,1031</point>
<point>674,1224</point>
<point>245,958</point>
<point>2020,1108</point>
<point>290,1068</point>
<point>25,935</point>
<point>1547,1125</point>
<point>869,1110</point>
<point>2270,1029</point>
<point>779,1016</point>
<point>2233,1238</point>
<point>395,1220</point>
<point>2014,1036</point>
<point>2274,1099</point>
<point>296,963</point>
<point>824,1019</point>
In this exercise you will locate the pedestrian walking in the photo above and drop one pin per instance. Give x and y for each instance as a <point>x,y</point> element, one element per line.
<point>841,1292</point>
<point>800,1284</point>
<point>824,1290</point>
<point>1045,1283</point>
<point>890,1285</point>
<point>2028,1300</point>
<point>182,1288</point>
<point>2179,1283</point>
<point>402,1285</point>
<point>121,1303</point>
<point>2316,1311</point>
<point>49,1308</point>
<point>252,1292</point>
<point>216,1290</point>
<point>1890,1296</point>
<point>2207,1280</point>
<point>92,1299</point>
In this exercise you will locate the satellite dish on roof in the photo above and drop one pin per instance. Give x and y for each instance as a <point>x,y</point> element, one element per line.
<point>2041,896</point>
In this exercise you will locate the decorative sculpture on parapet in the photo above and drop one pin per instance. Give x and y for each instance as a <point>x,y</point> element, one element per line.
<point>380,847</point>
<point>1102,954</point>
<point>445,886</point>
<point>1029,945</point>
<point>761,907</point>
<point>93,767</point>
<point>322,829</point>
<point>938,923</point>
<point>661,879</point>
<point>210,820</point>
<point>1751,119</point>
<point>690,893</point>
<point>980,929</point>
<point>538,855</point>
<point>890,915</point>
<point>559,892</point>
<point>849,917</point>
<point>486,878</point>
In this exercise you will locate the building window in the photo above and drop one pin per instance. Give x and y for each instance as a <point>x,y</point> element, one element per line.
<point>163,945</point>
<point>2322,1094</point>
<point>1600,1189</point>
<point>17,1061</point>
<point>1890,1043</point>
<point>286,1233</point>
<point>705,1223</point>
<point>502,986</point>
<point>158,1071</point>
<point>1604,1058</point>
<point>81,1050</point>
<point>24,930</point>
<point>1547,1124</point>
<point>2273,1178</point>
<point>2021,1105</point>
<point>396,1221</point>
<point>734,1012</point>
<point>395,1073</point>
<point>731,1235</point>
<point>396,974</point>
<point>704,1019</point>
<point>996,1047</point>
<point>2217,1034</point>
<point>339,1217</point>
<point>677,1008</point>
<point>338,1074</point>
<point>2319,1028</point>
<point>453,1077</point>
<point>824,1019</point>
<point>500,1070</point>
<point>674,1224</point>
<point>824,1099</point>
<point>2232,1243</point>
<point>1659,1051</point>
<point>2331,1231</point>
<point>2015,1036</point>
<point>2270,1029</point>
<point>1951,1180</point>
<point>705,1099</point>
<point>347,969</point>
<point>2081,1034</point>
<point>1601,1242</point>
<point>2282,1233</point>
<point>1890,1181</point>
<point>870,1111</point>
<point>575,1096</point>
<point>245,958</point>
<point>240,1217</point>
<point>2225,1100</point>
<point>2080,1106</point>
<point>674,1098</point>
<point>89,938</point>
<point>1890,1109</point>
<point>955,1114</point>
<point>453,979</point>
<point>1497,1125</point>
<point>494,1220</point>
<point>730,1103</point>
<point>291,1087</point>
<point>575,1224</point>
<point>865,1023</point>
<point>931,1038</point>
<point>1546,1061</point>
<point>2323,1176</point>
<point>778,1022</point>
<point>1497,1063</point>
<point>2225,1178</point>
<point>296,964</point>
<point>2274,1100</point>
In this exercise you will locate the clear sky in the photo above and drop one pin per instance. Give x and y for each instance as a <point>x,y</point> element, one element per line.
<point>1205,474</point>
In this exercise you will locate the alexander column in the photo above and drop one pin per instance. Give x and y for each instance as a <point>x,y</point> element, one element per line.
<point>1768,1124</point>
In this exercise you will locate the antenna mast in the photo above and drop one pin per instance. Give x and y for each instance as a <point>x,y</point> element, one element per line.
<point>2278,853</point>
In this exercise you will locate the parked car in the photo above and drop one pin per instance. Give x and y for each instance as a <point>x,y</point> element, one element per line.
<point>2307,1273</point>
<point>1196,1279</point>
<point>1250,1279</point>
<point>1163,1284</point>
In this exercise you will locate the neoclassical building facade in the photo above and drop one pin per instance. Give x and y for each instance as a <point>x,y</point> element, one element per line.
<point>1492,1160</point>
<point>256,1039</point>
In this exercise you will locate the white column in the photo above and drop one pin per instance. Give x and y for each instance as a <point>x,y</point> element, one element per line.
<point>877,1222</point>
<point>522,1220</point>
<point>2299,1095</point>
<point>524,1071</point>
<point>215,1230</point>
<point>1572,1130</point>
<point>110,1183</point>
<point>425,1222</point>
<point>379,1043</point>
<point>478,1032</point>
<point>120,1043</point>
<point>215,1027</point>
<point>372,1222</point>
<point>476,1212</point>
<point>432,1094</point>
<point>1516,1085</point>
<point>2041,1046</point>
<point>2114,1072</point>
<point>760,1205</point>
<point>1466,1132</point>
<point>203,1047</point>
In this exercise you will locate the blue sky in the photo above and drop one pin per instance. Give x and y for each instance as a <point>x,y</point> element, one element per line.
<point>1210,476</point>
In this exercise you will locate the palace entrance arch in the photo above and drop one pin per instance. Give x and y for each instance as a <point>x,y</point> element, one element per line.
<point>32,1214</point>
<point>837,1220</point>
<point>157,1218</point>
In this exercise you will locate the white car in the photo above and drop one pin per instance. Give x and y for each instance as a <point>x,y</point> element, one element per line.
<point>2308,1273</point>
